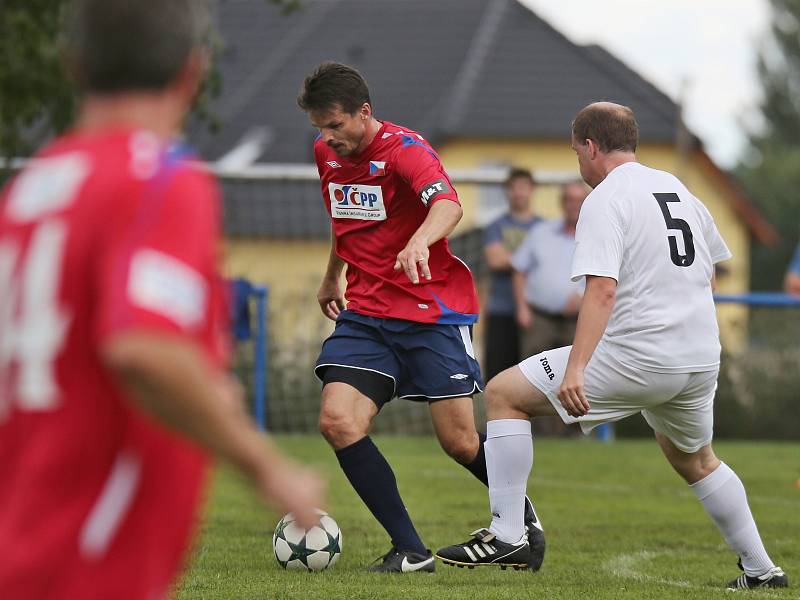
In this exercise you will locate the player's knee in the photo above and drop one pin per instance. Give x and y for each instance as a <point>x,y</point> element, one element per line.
<point>495,396</point>
<point>693,472</point>
<point>703,464</point>
<point>461,448</point>
<point>692,466</point>
<point>339,430</point>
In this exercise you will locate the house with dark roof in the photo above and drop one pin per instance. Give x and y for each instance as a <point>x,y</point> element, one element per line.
<point>488,82</point>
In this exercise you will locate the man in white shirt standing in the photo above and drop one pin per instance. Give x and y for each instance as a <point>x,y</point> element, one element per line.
<point>547,300</point>
<point>646,342</point>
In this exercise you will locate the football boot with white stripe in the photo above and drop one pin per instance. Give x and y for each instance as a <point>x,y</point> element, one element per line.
<point>535,533</point>
<point>774,578</point>
<point>484,549</point>
<point>404,561</point>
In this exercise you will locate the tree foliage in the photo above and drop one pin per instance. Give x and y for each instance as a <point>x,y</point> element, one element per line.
<point>771,171</point>
<point>36,98</point>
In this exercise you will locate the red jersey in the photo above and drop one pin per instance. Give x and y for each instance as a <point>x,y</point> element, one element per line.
<point>102,233</point>
<point>377,200</point>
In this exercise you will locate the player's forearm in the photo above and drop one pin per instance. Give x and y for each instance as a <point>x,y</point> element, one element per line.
<point>598,302</point>
<point>336,265</point>
<point>497,257</point>
<point>170,379</point>
<point>442,218</point>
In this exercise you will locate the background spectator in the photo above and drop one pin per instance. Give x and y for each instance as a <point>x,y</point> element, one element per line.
<point>791,283</point>
<point>501,238</point>
<point>547,301</point>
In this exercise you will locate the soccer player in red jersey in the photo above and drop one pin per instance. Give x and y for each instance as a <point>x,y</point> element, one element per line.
<point>406,329</point>
<point>113,339</point>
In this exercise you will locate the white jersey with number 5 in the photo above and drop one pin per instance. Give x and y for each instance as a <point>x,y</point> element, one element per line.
<point>643,228</point>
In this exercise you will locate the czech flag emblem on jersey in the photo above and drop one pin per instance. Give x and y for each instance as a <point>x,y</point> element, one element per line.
<point>377,168</point>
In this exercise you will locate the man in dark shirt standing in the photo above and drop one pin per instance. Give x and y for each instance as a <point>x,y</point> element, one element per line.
<point>501,238</point>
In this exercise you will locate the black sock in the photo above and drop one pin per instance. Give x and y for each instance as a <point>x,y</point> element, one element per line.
<point>374,481</point>
<point>478,465</point>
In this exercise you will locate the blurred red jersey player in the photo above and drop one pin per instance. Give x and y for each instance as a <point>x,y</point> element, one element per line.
<point>113,339</point>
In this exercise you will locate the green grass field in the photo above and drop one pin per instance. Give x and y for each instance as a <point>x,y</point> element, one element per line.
<point>619,524</point>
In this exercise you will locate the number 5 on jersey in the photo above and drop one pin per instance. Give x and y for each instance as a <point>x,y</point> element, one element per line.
<point>681,260</point>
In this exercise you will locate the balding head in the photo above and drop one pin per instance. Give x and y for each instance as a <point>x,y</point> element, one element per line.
<point>612,127</point>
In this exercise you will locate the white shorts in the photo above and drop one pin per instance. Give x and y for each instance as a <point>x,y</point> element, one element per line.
<point>678,405</point>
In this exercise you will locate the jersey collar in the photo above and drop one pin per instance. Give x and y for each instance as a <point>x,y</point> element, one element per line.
<point>367,152</point>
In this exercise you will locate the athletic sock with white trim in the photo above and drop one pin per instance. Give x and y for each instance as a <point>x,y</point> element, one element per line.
<point>509,458</point>
<point>725,500</point>
<point>373,480</point>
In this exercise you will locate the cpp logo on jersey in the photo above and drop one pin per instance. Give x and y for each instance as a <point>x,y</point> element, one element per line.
<point>356,201</point>
<point>433,189</point>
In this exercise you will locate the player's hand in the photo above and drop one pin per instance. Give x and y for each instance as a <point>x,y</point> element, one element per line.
<point>330,298</point>
<point>571,393</point>
<point>524,316</point>
<point>413,259</point>
<point>573,305</point>
<point>295,489</point>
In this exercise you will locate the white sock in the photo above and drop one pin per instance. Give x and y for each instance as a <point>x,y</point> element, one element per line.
<point>722,495</point>
<point>509,458</point>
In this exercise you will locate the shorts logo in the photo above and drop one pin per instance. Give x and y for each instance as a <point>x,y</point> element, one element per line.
<point>547,368</point>
<point>459,376</point>
<point>433,189</point>
<point>355,201</point>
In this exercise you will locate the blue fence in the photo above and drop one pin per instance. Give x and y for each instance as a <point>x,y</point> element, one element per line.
<point>770,299</point>
<point>249,308</point>
<point>243,294</point>
<point>753,300</point>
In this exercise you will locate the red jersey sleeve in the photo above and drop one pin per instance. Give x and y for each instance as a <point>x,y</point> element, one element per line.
<point>158,268</point>
<point>419,166</point>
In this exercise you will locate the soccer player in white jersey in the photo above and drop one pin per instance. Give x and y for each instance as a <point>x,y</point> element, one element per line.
<point>647,248</point>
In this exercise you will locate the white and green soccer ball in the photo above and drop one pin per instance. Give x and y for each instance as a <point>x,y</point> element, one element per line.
<point>315,549</point>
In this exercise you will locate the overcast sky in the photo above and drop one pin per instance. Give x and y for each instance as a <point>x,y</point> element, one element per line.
<point>710,44</point>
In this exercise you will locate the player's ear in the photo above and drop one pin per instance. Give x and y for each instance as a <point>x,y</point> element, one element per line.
<point>365,111</point>
<point>593,149</point>
<point>191,77</point>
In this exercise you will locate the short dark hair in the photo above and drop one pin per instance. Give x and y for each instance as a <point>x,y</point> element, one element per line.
<point>612,127</point>
<point>333,84</point>
<point>126,45</point>
<point>518,173</point>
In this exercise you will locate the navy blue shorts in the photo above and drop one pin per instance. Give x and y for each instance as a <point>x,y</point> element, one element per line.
<point>425,361</point>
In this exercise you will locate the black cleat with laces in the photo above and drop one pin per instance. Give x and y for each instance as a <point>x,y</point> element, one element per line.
<point>404,561</point>
<point>484,549</point>
<point>774,578</point>
<point>535,533</point>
